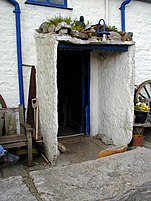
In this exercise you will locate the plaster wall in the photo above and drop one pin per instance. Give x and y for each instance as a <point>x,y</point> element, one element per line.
<point>31,18</point>
<point>138,20</point>
<point>111,90</point>
<point>8,56</point>
<point>47,93</point>
<point>94,95</point>
<point>115,95</point>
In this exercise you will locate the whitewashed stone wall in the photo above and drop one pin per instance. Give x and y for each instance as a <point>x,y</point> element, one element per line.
<point>111,90</point>
<point>47,92</point>
<point>138,20</point>
<point>8,56</point>
<point>112,112</point>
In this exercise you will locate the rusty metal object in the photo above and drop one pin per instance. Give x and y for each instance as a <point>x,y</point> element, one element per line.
<point>35,107</point>
<point>32,95</point>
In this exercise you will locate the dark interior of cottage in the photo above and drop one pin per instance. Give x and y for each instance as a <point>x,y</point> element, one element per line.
<point>72,92</point>
<point>69,83</point>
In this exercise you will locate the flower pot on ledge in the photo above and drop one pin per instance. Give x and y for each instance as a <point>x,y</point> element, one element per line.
<point>140,116</point>
<point>137,140</point>
<point>138,136</point>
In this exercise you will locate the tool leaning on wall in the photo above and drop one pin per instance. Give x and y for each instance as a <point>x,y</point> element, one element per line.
<point>35,107</point>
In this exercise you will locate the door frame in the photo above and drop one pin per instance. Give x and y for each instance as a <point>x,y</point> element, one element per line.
<point>86,109</point>
<point>85,64</point>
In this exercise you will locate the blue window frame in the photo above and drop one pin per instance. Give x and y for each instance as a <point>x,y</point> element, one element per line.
<point>54,3</point>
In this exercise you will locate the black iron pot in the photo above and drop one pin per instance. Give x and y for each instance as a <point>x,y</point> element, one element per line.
<point>140,116</point>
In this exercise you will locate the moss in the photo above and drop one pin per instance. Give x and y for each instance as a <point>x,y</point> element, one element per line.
<point>74,23</point>
<point>112,28</point>
<point>77,26</point>
<point>57,19</point>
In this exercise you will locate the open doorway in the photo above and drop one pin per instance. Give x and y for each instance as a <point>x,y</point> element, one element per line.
<point>73,92</point>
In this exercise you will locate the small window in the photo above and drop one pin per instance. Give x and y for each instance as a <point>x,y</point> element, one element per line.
<point>55,3</point>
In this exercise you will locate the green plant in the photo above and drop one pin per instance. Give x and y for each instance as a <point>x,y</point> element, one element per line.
<point>77,26</point>
<point>141,107</point>
<point>57,19</point>
<point>75,23</point>
<point>112,28</point>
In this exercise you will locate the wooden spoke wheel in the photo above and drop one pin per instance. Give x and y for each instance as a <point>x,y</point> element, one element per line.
<point>2,103</point>
<point>2,121</point>
<point>143,93</point>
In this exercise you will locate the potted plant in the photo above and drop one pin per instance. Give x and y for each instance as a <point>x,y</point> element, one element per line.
<point>138,136</point>
<point>140,111</point>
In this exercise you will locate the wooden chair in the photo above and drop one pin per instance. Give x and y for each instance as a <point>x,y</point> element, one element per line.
<point>14,132</point>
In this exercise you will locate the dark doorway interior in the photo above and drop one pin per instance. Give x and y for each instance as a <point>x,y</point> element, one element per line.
<point>72,92</point>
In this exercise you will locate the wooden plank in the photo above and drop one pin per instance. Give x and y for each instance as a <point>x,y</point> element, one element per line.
<point>21,117</point>
<point>16,144</point>
<point>147,99</point>
<point>13,138</point>
<point>4,110</point>
<point>13,118</point>
<point>10,123</point>
<point>30,156</point>
<point>1,124</point>
<point>146,124</point>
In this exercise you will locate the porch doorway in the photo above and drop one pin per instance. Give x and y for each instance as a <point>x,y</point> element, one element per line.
<point>73,92</point>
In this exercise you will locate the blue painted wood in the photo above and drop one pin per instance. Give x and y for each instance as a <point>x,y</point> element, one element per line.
<point>123,48</point>
<point>86,93</point>
<point>99,32</point>
<point>87,110</point>
<point>47,3</point>
<point>83,96</point>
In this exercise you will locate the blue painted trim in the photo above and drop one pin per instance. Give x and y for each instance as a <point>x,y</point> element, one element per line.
<point>83,95</point>
<point>86,94</point>
<point>47,3</point>
<point>19,52</point>
<point>99,32</point>
<point>123,48</point>
<point>88,105</point>
<point>122,8</point>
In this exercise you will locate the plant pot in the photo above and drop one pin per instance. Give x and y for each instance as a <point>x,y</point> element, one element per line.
<point>140,116</point>
<point>137,140</point>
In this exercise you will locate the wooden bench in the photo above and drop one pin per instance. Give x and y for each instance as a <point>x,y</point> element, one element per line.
<point>14,132</point>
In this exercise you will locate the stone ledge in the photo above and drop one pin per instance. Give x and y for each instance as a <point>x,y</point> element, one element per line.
<point>117,177</point>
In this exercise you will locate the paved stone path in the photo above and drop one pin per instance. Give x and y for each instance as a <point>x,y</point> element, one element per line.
<point>116,177</point>
<point>120,177</point>
<point>14,189</point>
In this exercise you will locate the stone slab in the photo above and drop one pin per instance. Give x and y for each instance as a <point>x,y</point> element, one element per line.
<point>14,170</point>
<point>13,189</point>
<point>116,177</point>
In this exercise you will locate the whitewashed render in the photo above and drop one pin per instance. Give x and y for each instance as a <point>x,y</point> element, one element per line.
<point>111,91</point>
<point>112,80</point>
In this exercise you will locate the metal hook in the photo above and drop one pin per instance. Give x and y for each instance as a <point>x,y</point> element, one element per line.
<point>99,32</point>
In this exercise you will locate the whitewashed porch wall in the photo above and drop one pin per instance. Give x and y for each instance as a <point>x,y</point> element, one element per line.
<point>111,92</point>
<point>115,95</point>
<point>47,93</point>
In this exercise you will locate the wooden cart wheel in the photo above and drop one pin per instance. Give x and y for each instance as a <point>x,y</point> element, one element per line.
<point>2,121</point>
<point>2,103</point>
<point>143,93</point>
